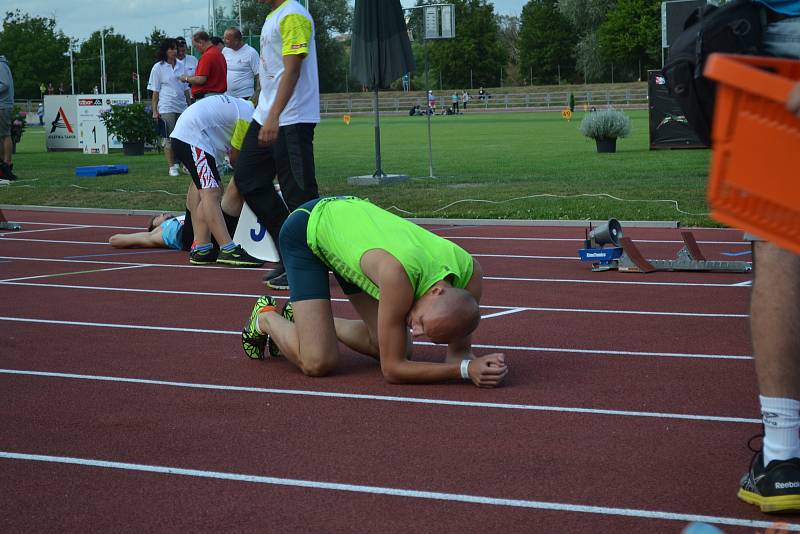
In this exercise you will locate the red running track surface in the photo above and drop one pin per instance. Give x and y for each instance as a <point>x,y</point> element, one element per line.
<point>126,403</point>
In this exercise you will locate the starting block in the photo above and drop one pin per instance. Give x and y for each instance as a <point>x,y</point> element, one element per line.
<point>253,236</point>
<point>626,257</point>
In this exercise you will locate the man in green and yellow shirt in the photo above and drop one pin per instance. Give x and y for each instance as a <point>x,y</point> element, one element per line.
<point>403,281</point>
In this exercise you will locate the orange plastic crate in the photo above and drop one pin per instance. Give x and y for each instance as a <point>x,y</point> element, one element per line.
<point>755,168</point>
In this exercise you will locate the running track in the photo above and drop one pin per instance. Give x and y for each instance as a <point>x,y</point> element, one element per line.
<point>126,403</point>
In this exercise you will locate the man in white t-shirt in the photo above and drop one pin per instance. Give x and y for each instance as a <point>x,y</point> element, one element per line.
<point>170,96</point>
<point>188,60</point>
<point>242,62</point>
<point>206,131</point>
<point>280,140</point>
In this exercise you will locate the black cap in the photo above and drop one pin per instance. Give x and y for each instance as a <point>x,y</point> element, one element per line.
<point>181,41</point>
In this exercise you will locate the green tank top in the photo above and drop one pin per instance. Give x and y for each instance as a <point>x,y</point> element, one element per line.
<point>342,229</point>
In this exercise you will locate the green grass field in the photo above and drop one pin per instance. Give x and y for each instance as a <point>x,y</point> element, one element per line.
<point>491,165</point>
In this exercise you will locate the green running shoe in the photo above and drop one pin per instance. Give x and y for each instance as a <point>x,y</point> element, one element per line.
<point>239,257</point>
<point>288,311</point>
<point>253,341</point>
<point>203,257</point>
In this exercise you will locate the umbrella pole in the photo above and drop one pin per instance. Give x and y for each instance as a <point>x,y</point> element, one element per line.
<point>378,171</point>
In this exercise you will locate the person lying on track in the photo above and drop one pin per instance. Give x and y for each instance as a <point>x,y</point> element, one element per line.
<point>163,231</point>
<point>403,281</point>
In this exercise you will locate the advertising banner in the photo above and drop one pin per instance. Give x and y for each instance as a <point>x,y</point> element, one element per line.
<point>89,109</point>
<point>61,122</point>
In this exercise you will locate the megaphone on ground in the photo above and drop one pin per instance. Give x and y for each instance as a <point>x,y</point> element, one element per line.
<point>606,234</point>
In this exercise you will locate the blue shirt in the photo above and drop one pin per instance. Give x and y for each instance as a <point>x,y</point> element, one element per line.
<point>171,230</point>
<point>790,8</point>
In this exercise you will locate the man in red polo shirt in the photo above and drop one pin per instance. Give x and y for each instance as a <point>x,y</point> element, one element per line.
<point>210,77</point>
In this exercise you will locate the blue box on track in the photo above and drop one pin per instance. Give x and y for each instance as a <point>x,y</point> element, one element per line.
<point>101,170</point>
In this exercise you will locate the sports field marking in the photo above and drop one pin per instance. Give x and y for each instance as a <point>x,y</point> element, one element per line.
<point>505,309</point>
<point>112,254</point>
<point>577,240</point>
<point>504,312</point>
<point>746,283</point>
<point>83,225</point>
<point>103,270</point>
<point>451,237</point>
<point>18,232</point>
<point>612,282</point>
<point>384,398</point>
<point>398,492</point>
<point>101,262</point>
<point>420,343</point>
<point>501,278</point>
<point>54,241</point>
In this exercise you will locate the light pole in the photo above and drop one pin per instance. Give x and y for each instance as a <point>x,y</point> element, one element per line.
<point>71,69</point>
<point>102,61</point>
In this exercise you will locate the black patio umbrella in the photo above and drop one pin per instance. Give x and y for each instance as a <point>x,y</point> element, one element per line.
<point>381,52</point>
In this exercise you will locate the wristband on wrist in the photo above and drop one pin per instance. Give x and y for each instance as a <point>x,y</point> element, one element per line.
<point>465,369</point>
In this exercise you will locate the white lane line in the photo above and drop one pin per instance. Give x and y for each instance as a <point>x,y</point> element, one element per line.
<point>87,225</point>
<point>400,492</point>
<point>610,282</point>
<point>501,278</point>
<point>450,237</point>
<point>104,262</point>
<point>52,241</point>
<point>504,312</point>
<point>507,309</point>
<point>576,240</point>
<point>746,283</point>
<point>385,398</point>
<point>520,256</point>
<point>42,230</point>
<point>10,280</point>
<point>420,343</point>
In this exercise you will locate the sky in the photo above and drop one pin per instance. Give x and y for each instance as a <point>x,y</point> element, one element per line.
<point>136,18</point>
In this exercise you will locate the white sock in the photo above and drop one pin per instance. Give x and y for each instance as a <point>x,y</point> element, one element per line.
<point>781,419</point>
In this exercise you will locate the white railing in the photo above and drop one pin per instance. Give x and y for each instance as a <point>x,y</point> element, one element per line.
<point>494,102</point>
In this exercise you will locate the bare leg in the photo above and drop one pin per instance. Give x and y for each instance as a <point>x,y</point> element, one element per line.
<point>775,321</point>
<point>211,214</point>
<point>168,153</point>
<point>231,200</point>
<point>310,342</point>
<point>361,335</point>
<point>8,149</point>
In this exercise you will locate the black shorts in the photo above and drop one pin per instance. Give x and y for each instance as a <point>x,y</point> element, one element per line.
<point>201,165</point>
<point>187,234</point>
<point>308,275</point>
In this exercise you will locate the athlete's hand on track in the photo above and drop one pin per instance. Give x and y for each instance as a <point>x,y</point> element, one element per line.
<point>488,371</point>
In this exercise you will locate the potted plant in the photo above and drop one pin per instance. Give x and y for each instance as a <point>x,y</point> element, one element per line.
<point>605,127</point>
<point>132,125</point>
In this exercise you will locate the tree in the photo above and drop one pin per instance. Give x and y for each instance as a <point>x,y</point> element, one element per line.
<point>32,47</point>
<point>330,17</point>
<point>547,42</point>
<point>120,63</point>
<point>586,17</point>
<point>475,55</point>
<point>631,34</point>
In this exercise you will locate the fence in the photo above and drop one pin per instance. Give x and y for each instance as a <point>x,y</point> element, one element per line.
<point>363,103</point>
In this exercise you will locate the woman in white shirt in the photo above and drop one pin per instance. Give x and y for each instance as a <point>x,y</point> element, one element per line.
<point>170,95</point>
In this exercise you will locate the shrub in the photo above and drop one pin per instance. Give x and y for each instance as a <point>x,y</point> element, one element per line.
<point>130,124</point>
<point>606,124</point>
